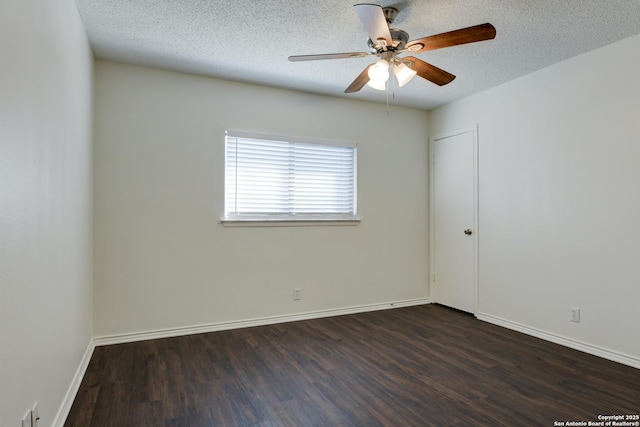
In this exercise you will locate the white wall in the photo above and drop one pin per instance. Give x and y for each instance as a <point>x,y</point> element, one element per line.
<point>163,260</point>
<point>559,197</point>
<point>45,204</point>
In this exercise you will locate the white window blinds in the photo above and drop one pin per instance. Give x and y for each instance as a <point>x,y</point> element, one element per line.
<point>276,178</point>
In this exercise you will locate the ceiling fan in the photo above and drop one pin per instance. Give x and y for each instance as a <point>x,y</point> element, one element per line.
<point>388,43</point>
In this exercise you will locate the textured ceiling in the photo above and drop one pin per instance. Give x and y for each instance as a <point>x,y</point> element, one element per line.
<point>250,40</point>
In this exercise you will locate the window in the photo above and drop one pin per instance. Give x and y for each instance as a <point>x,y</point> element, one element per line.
<point>269,178</point>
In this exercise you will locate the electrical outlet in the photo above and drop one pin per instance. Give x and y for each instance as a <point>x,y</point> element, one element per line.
<point>296,293</point>
<point>575,314</point>
<point>35,418</point>
<point>26,420</point>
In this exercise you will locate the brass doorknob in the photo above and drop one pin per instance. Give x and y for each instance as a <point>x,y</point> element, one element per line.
<point>468,232</point>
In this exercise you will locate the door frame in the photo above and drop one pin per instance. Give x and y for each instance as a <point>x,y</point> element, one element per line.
<point>473,129</point>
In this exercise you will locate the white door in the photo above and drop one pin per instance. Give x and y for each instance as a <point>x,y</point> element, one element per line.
<point>454,219</point>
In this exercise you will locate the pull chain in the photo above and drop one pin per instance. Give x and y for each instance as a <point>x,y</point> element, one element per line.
<point>387,100</point>
<point>392,82</point>
<point>393,90</point>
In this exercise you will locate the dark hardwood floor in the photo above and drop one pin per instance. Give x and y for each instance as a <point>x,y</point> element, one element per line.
<point>417,366</point>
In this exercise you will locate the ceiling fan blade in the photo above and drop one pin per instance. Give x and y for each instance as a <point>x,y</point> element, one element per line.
<point>372,17</point>
<point>453,38</point>
<point>297,58</point>
<point>429,72</point>
<point>360,81</point>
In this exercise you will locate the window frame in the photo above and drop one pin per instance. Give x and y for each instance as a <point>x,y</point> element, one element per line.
<point>260,220</point>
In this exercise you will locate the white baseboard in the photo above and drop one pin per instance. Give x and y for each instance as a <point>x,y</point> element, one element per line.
<point>70,396</point>
<point>567,342</point>
<point>236,324</point>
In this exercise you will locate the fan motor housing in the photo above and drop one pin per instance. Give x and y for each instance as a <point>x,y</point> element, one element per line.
<point>399,39</point>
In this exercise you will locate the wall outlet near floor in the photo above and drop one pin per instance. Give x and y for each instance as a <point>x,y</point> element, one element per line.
<point>575,314</point>
<point>296,293</point>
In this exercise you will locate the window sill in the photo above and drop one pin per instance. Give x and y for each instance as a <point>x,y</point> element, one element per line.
<point>288,222</point>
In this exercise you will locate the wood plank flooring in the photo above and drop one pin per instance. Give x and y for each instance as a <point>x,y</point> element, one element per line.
<point>418,366</point>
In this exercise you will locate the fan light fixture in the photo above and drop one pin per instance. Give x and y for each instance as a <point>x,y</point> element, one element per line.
<point>403,73</point>
<point>379,74</point>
